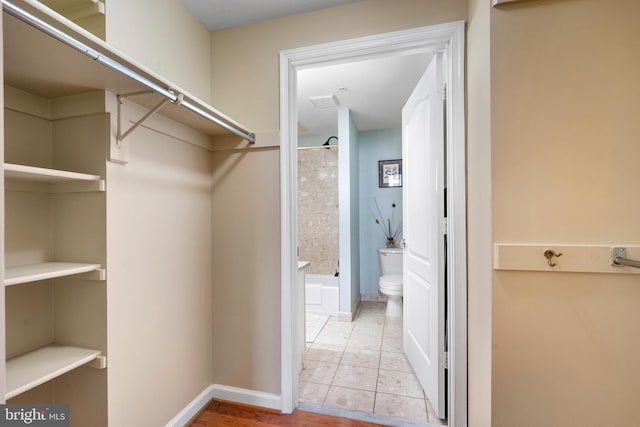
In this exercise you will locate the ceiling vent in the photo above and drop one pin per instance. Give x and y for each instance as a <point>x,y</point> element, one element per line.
<point>326,101</point>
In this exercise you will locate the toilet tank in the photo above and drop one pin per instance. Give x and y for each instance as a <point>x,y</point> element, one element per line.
<point>390,260</point>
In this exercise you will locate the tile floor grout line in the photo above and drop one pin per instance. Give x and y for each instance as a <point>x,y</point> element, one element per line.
<point>333,378</point>
<point>372,317</point>
<point>375,396</point>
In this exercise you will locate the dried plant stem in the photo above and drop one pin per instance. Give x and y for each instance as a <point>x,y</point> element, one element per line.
<point>387,228</point>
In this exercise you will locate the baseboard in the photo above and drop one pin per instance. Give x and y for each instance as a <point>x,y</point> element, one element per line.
<point>348,316</point>
<point>345,316</point>
<point>248,397</point>
<point>232,394</point>
<point>373,297</point>
<point>192,409</point>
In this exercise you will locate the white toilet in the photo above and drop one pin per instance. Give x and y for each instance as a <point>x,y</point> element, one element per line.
<point>390,283</point>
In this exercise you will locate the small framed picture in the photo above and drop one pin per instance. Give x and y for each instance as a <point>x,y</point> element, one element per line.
<point>389,173</point>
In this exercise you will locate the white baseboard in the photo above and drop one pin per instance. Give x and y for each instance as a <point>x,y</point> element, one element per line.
<point>348,316</point>
<point>232,394</point>
<point>192,408</point>
<point>345,316</point>
<point>248,397</point>
<point>373,297</point>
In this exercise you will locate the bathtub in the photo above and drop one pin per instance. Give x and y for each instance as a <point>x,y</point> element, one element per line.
<point>322,294</point>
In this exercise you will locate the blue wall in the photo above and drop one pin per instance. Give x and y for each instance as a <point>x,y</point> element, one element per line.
<point>375,145</point>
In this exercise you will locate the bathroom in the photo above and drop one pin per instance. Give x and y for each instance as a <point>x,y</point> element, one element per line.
<point>379,208</point>
<point>354,360</point>
<point>350,201</point>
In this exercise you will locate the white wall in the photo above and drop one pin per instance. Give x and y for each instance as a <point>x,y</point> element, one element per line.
<point>375,145</point>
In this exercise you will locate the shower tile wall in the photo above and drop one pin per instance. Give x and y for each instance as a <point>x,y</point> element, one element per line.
<point>318,209</point>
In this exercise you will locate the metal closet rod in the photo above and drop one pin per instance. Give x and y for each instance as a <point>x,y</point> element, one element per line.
<point>626,261</point>
<point>36,22</point>
<point>618,260</point>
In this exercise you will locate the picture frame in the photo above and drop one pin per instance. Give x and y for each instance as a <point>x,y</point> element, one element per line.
<point>390,173</point>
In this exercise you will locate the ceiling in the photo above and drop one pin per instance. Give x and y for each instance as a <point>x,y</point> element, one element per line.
<point>219,14</point>
<point>374,90</point>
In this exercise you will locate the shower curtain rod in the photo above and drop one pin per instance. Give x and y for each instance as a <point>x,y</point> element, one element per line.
<point>174,97</point>
<point>317,147</point>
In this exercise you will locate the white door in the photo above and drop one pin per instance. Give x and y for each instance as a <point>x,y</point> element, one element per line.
<point>424,228</point>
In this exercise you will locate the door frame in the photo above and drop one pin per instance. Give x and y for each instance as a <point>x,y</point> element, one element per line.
<point>449,39</point>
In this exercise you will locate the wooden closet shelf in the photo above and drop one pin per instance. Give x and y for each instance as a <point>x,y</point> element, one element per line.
<point>47,270</point>
<point>37,367</point>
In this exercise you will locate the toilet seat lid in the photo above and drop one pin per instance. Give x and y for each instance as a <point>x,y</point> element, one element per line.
<point>391,279</point>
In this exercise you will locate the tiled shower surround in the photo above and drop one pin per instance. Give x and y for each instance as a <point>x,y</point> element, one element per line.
<point>318,209</point>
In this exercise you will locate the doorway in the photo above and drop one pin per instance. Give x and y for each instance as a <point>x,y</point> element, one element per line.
<point>354,359</point>
<point>445,38</point>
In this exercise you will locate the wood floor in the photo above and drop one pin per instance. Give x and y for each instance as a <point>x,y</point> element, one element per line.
<point>221,414</point>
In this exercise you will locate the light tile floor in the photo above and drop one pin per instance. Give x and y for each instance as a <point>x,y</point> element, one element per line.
<point>360,366</point>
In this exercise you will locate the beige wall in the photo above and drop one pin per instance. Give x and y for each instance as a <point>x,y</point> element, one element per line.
<point>245,85</point>
<point>160,204</point>
<point>565,153</point>
<point>246,270</point>
<point>245,59</point>
<point>164,37</point>
<point>159,275</point>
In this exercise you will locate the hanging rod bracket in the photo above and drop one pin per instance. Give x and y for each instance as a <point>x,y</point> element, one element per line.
<point>619,258</point>
<point>202,110</point>
<point>151,112</point>
<point>179,99</point>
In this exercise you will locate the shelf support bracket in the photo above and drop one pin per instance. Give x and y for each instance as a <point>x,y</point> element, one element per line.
<point>154,110</point>
<point>99,362</point>
<point>99,275</point>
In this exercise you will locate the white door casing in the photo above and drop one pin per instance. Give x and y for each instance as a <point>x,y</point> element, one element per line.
<point>446,38</point>
<point>424,228</point>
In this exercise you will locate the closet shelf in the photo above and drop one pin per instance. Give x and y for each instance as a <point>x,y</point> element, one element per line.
<point>47,270</point>
<point>32,173</point>
<point>54,176</point>
<point>37,367</point>
<point>76,10</point>
<point>98,66</point>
